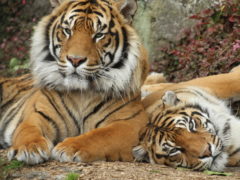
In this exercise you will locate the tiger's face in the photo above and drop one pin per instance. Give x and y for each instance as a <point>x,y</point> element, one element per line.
<point>86,45</point>
<point>181,136</point>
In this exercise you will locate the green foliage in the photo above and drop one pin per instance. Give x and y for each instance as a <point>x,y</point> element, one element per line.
<point>217,173</point>
<point>72,176</point>
<point>16,29</point>
<point>212,46</point>
<point>16,64</point>
<point>6,167</point>
<point>13,165</point>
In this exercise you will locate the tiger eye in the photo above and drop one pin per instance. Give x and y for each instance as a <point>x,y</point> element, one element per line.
<point>98,35</point>
<point>67,31</point>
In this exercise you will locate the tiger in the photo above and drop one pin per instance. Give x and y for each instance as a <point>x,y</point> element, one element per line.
<point>12,89</point>
<point>82,100</point>
<point>190,124</point>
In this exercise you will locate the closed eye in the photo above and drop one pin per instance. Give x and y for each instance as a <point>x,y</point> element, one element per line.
<point>174,151</point>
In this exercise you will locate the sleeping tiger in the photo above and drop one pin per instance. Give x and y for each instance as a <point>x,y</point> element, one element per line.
<point>190,124</point>
<point>82,100</point>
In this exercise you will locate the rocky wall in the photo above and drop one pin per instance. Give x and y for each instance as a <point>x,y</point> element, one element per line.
<point>159,22</point>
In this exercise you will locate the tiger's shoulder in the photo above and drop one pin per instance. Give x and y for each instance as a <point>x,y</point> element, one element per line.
<point>13,88</point>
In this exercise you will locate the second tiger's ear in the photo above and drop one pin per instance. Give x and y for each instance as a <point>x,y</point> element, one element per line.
<point>56,3</point>
<point>128,8</point>
<point>170,98</point>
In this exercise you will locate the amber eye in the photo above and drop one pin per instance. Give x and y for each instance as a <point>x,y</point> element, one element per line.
<point>98,36</point>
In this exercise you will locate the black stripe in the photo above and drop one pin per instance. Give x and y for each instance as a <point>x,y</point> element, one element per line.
<point>53,123</point>
<point>53,46</point>
<point>103,9</point>
<point>108,43</point>
<point>96,109</point>
<point>199,167</point>
<point>183,113</point>
<point>197,113</point>
<point>54,105</point>
<point>160,137</point>
<point>9,116</point>
<point>70,114</point>
<point>80,10</point>
<point>157,119</point>
<point>169,123</point>
<point>163,121</point>
<point>6,104</point>
<point>159,156</point>
<point>71,17</point>
<point>48,57</point>
<point>98,13</point>
<point>125,50</point>
<point>93,2</point>
<point>115,110</point>
<point>13,82</point>
<point>130,117</point>
<point>235,152</point>
<point>62,18</point>
<point>80,4</point>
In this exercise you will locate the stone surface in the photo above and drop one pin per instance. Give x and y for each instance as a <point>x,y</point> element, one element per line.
<point>159,22</point>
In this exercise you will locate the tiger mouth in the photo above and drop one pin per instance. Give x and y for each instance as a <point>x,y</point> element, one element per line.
<point>219,162</point>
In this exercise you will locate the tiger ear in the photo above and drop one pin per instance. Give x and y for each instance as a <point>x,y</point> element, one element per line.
<point>170,98</point>
<point>55,3</point>
<point>127,8</point>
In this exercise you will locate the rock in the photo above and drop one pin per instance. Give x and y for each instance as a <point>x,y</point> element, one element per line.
<point>159,22</point>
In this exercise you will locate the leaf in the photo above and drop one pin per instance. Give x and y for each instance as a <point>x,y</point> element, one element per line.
<point>14,164</point>
<point>183,169</point>
<point>14,62</point>
<point>217,173</point>
<point>72,176</point>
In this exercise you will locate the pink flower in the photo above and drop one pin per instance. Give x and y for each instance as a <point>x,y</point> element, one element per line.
<point>236,45</point>
<point>24,2</point>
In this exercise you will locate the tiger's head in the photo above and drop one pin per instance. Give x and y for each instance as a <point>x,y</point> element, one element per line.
<point>89,45</point>
<point>181,135</point>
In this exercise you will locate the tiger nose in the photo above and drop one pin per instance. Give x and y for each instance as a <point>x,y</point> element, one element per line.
<point>76,60</point>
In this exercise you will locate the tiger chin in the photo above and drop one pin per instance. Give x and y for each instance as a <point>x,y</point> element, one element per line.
<point>190,124</point>
<point>82,100</point>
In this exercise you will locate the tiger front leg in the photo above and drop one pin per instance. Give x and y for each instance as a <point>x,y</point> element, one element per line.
<point>111,143</point>
<point>28,143</point>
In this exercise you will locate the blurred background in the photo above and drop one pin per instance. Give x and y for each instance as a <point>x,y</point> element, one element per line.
<point>185,38</point>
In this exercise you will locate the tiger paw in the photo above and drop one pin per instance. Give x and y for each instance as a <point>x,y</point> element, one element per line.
<point>71,150</point>
<point>31,152</point>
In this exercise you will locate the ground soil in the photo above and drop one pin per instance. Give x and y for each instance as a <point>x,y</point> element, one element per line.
<point>111,171</point>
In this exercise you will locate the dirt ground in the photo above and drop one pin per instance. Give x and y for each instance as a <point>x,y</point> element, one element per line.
<point>110,171</point>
